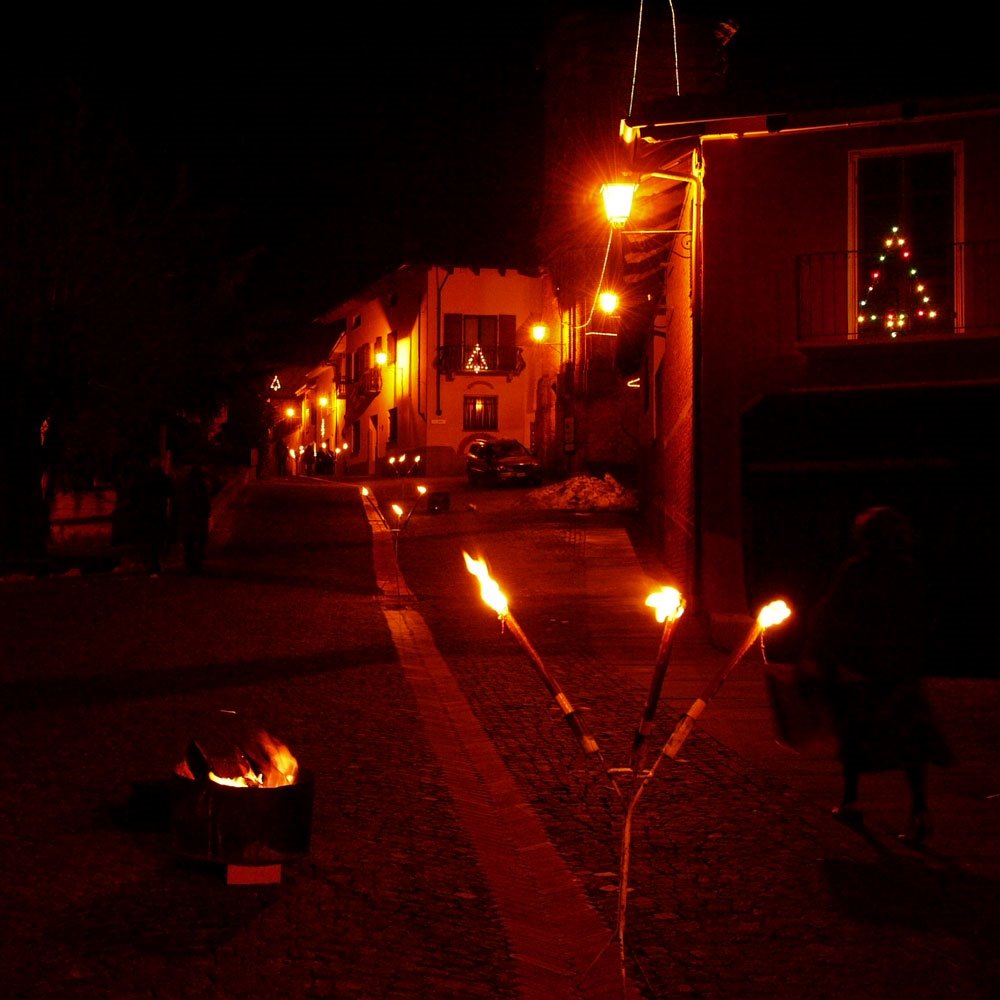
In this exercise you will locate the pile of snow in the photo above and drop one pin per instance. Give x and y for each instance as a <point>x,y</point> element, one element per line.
<point>584,493</point>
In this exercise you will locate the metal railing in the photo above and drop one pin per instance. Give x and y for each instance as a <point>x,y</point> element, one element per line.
<point>453,359</point>
<point>963,280</point>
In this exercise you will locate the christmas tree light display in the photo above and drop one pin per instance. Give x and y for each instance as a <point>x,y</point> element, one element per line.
<point>476,361</point>
<point>897,300</point>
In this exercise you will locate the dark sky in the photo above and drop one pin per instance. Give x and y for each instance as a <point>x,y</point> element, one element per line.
<point>396,128</point>
<point>345,138</point>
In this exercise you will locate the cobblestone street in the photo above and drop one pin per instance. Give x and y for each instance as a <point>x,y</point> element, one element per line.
<point>462,843</point>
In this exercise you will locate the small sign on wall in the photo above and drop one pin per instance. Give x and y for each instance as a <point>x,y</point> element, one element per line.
<point>438,420</point>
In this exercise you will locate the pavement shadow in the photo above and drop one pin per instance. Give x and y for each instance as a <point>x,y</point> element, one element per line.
<point>913,894</point>
<point>124,685</point>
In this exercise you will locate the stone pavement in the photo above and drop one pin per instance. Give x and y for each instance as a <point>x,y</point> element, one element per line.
<point>463,844</point>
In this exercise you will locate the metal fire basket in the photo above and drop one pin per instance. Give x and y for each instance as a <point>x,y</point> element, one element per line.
<point>241,826</point>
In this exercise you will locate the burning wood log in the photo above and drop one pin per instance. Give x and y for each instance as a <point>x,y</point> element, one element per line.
<point>197,762</point>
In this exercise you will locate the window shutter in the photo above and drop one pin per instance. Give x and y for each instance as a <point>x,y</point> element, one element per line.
<point>452,330</point>
<point>508,331</point>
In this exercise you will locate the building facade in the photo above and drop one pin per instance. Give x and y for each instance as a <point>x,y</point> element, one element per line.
<point>428,358</point>
<point>834,342</point>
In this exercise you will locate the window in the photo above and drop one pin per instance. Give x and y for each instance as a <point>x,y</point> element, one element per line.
<point>480,413</point>
<point>906,242</point>
<point>393,433</point>
<point>356,437</point>
<point>482,343</point>
<point>362,361</point>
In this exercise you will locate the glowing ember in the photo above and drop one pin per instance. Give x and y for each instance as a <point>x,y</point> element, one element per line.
<point>268,763</point>
<point>491,593</point>
<point>667,603</point>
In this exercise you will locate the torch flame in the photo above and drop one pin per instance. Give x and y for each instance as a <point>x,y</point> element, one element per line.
<point>667,603</point>
<point>773,614</point>
<point>397,510</point>
<point>491,593</point>
<point>364,491</point>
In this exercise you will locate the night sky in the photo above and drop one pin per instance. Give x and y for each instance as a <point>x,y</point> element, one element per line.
<point>358,147</point>
<point>345,140</point>
<point>342,140</point>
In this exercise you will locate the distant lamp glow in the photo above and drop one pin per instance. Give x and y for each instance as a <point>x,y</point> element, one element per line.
<point>323,401</point>
<point>381,358</point>
<point>608,301</point>
<point>539,332</point>
<point>618,202</point>
<point>289,411</point>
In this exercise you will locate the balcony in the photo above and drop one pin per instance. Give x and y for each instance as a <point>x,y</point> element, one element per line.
<point>361,391</point>
<point>963,280</point>
<point>455,360</point>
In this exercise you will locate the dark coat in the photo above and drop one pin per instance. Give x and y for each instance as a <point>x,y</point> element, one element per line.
<point>193,505</point>
<point>868,636</point>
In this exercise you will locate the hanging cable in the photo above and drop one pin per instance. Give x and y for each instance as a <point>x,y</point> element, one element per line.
<point>600,283</point>
<point>673,34</point>
<point>635,61</point>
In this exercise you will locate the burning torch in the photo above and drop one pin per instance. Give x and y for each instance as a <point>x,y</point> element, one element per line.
<point>668,605</point>
<point>494,598</point>
<point>771,614</point>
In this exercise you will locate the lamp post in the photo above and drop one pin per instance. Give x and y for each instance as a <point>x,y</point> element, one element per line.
<point>631,204</point>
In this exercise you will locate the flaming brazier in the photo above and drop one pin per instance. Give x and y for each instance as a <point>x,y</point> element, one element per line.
<point>250,826</point>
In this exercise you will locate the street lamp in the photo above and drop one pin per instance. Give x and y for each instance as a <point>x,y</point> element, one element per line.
<point>608,301</point>
<point>618,202</point>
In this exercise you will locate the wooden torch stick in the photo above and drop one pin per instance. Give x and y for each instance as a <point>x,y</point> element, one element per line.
<point>494,597</point>
<point>570,714</point>
<point>772,614</point>
<point>669,606</point>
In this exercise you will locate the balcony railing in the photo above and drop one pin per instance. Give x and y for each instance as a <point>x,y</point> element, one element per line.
<point>455,360</point>
<point>962,279</point>
<point>362,390</point>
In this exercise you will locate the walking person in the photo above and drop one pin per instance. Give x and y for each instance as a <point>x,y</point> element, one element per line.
<point>193,511</point>
<point>868,636</point>
<point>154,490</point>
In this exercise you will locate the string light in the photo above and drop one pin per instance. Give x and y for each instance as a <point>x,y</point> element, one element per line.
<point>877,307</point>
<point>476,361</point>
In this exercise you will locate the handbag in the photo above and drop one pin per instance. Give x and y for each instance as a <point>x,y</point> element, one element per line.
<point>800,708</point>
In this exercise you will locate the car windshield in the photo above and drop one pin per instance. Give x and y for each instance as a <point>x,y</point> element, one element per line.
<point>505,449</point>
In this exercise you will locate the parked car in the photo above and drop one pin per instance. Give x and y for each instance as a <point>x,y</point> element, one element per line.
<point>501,460</point>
